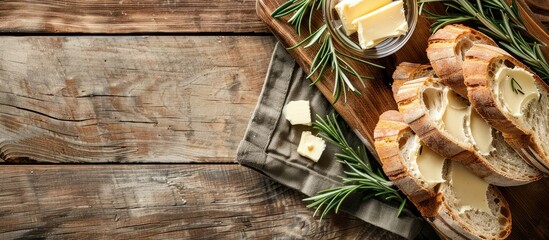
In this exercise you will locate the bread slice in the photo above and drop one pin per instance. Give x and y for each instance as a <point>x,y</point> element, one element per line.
<point>526,126</point>
<point>406,71</point>
<point>455,224</point>
<point>446,50</point>
<point>446,123</point>
<point>398,146</point>
<point>395,143</point>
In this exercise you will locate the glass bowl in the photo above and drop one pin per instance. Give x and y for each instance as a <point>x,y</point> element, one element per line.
<point>350,43</point>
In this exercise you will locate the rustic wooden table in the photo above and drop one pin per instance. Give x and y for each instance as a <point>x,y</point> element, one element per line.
<point>154,96</point>
<point>151,98</point>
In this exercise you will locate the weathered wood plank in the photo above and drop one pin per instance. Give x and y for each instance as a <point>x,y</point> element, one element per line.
<point>161,202</point>
<point>129,16</point>
<point>128,99</point>
<point>529,210</point>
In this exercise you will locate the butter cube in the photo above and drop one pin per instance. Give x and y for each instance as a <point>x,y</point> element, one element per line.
<point>349,10</point>
<point>385,22</point>
<point>298,112</point>
<point>311,146</point>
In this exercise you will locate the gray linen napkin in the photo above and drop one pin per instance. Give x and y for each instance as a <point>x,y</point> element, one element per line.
<point>270,144</point>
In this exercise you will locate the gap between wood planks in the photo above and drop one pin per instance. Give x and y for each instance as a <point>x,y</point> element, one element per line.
<point>136,34</point>
<point>130,98</point>
<point>31,163</point>
<point>120,16</point>
<point>161,201</point>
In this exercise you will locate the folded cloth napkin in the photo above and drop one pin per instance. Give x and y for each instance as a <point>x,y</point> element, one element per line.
<point>270,147</point>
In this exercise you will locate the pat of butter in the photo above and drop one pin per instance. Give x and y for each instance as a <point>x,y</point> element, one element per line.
<point>430,166</point>
<point>298,112</point>
<point>482,133</point>
<point>517,88</point>
<point>311,146</point>
<point>385,22</point>
<point>349,10</point>
<point>470,190</point>
<point>455,116</point>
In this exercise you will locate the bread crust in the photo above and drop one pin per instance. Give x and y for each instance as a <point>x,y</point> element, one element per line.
<point>445,53</point>
<point>407,71</point>
<point>387,134</point>
<point>444,218</point>
<point>478,80</point>
<point>410,104</point>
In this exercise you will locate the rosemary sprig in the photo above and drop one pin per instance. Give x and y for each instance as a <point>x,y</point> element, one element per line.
<point>361,178</point>
<point>327,55</point>
<point>516,87</point>
<point>500,20</point>
<point>298,9</point>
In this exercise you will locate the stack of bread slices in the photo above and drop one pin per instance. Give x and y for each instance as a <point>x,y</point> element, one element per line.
<point>471,120</point>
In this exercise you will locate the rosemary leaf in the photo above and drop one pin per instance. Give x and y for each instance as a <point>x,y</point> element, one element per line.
<point>516,87</point>
<point>316,35</point>
<point>278,12</point>
<point>360,60</point>
<point>358,76</point>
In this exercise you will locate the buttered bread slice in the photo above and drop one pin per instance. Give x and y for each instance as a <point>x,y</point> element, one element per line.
<point>456,202</point>
<point>512,98</point>
<point>404,158</point>
<point>448,125</point>
<point>446,51</point>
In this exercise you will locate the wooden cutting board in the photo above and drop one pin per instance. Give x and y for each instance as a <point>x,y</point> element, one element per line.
<point>528,203</point>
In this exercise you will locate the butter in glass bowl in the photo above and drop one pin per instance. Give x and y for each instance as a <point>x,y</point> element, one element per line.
<point>371,28</point>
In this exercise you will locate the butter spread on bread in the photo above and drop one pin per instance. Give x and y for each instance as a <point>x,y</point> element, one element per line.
<point>452,206</point>
<point>455,114</point>
<point>446,124</point>
<point>430,165</point>
<point>481,133</point>
<point>521,113</point>
<point>515,88</point>
<point>469,189</point>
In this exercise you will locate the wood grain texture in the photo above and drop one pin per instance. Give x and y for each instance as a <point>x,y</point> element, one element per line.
<point>128,99</point>
<point>540,11</point>
<point>536,22</point>
<point>160,202</point>
<point>529,210</point>
<point>129,16</point>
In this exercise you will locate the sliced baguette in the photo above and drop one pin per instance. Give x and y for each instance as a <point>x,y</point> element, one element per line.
<point>394,141</point>
<point>406,71</point>
<point>446,50</point>
<point>396,144</point>
<point>469,224</point>
<point>527,134</point>
<point>423,103</point>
